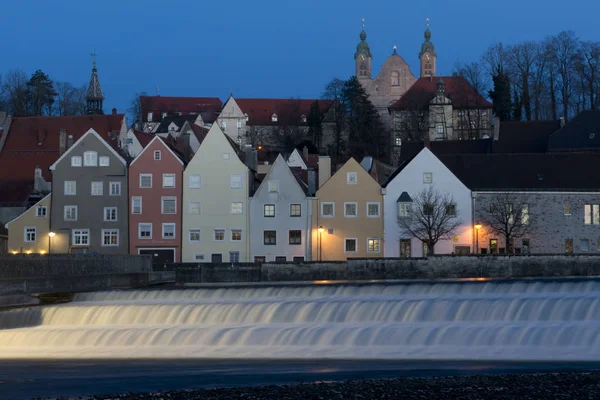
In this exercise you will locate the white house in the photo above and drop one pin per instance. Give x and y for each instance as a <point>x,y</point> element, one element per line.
<point>215,203</point>
<point>280,217</point>
<point>423,171</point>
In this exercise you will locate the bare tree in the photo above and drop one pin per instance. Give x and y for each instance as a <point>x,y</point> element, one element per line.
<point>508,215</point>
<point>565,55</point>
<point>432,217</point>
<point>135,110</point>
<point>70,100</point>
<point>494,59</point>
<point>16,92</point>
<point>255,136</point>
<point>286,131</point>
<point>334,90</point>
<point>475,74</point>
<point>521,58</point>
<point>589,68</point>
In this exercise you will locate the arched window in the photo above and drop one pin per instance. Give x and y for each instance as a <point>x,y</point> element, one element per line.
<point>395,78</point>
<point>90,159</point>
<point>363,68</point>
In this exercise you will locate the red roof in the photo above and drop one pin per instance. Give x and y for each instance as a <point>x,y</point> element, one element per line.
<point>458,89</point>
<point>15,192</point>
<point>288,111</point>
<point>199,131</point>
<point>209,107</point>
<point>143,137</point>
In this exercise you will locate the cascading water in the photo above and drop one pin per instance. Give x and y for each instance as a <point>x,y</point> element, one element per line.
<point>519,320</point>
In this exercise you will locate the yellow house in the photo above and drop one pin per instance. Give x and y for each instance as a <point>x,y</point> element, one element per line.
<point>348,216</point>
<point>29,232</point>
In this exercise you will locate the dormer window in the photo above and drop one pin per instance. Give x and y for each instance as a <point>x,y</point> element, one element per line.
<point>404,205</point>
<point>398,141</point>
<point>303,118</point>
<point>246,117</point>
<point>164,115</point>
<point>149,117</point>
<point>274,117</point>
<point>90,159</point>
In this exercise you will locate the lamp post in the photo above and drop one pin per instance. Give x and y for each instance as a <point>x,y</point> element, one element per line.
<point>321,230</point>
<point>50,236</point>
<point>477,228</point>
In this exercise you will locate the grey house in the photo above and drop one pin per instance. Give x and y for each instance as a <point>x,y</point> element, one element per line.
<point>89,199</point>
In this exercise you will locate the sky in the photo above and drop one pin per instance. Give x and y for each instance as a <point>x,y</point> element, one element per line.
<point>259,48</point>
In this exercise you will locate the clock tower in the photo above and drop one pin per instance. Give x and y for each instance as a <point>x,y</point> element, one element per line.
<point>427,55</point>
<point>363,57</point>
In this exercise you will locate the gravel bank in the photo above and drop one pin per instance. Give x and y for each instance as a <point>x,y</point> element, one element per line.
<point>489,387</point>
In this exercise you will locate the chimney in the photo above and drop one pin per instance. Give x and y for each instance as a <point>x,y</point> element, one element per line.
<point>562,122</point>
<point>496,128</point>
<point>427,142</point>
<point>324,169</point>
<point>312,182</point>
<point>305,153</point>
<point>37,177</point>
<point>186,147</point>
<point>114,111</point>
<point>69,141</point>
<point>62,142</point>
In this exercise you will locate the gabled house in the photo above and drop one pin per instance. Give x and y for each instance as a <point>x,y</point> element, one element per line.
<point>155,191</point>
<point>89,211</point>
<point>280,217</point>
<point>425,171</point>
<point>348,215</point>
<point>156,108</point>
<point>216,186</point>
<point>582,133</point>
<point>134,141</point>
<point>30,231</point>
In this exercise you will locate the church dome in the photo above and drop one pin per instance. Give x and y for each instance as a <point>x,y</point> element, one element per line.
<point>363,46</point>
<point>427,46</point>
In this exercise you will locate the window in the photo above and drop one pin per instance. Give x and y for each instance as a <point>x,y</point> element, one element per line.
<point>591,214</point>
<point>168,180</point>
<point>373,245</point>
<point>427,177</point>
<point>303,118</point>
<point>295,210</point>
<point>145,231</point>
<point>115,188</point>
<point>149,117</point>
<point>404,209</point>
<point>194,235</point>
<point>157,155</point>
<point>104,161</point>
<point>352,178</point>
<point>110,213</point>
<point>567,209</point>
<point>439,129</point>
<point>269,210</point>
<point>274,118</point>
<point>270,238</point>
<point>224,125</point>
<point>398,141</point>
<point>237,208</point>
<point>395,78</point>
<point>90,159</point>
<point>584,245</point>
<point>30,234</point>
<point>70,188</point>
<point>136,205</point>
<point>75,161</point>
<point>70,213</point>
<point>298,259</point>
<point>219,235</point>
<point>272,186</point>
<point>195,181</point>
<point>168,231</point>
<point>295,237</point>
<point>169,205</point>
<point>350,245</point>
<point>327,210</point>
<point>373,210</point>
<point>451,210</point>
<point>280,259</point>
<point>236,235</point>
<point>164,114</point>
<point>427,209</point>
<point>239,124</point>
<point>235,181</point>
<point>80,237</point>
<point>259,259</point>
<point>97,188</point>
<point>525,214</point>
<point>234,256</point>
<point>225,156</point>
<point>146,181</point>
<point>198,257</point>
<point>525,244</point>
<point>41,211</point>
<point>350,210</point>
<point>569,246</point>
<point>110,237</point>
<point>194,207</point>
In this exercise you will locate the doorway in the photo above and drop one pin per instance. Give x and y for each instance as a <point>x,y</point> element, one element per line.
<point>405,250</point>
<point>493,246</point>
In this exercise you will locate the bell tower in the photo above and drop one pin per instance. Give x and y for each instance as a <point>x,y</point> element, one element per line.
<point>362,56</point>
<point>427,55</point>
<point>94,97</point>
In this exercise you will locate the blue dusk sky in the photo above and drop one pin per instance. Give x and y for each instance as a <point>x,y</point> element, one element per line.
<point>260,48</point>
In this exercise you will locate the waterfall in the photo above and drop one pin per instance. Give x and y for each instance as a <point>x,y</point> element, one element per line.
<point>531,320</point>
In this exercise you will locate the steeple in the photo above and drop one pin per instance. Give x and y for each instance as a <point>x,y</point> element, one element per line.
<point>94,96</point>
<point>427,55</point>
<point>362,56</point>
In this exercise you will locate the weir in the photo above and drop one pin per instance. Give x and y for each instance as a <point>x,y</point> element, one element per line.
<point>529,320</point>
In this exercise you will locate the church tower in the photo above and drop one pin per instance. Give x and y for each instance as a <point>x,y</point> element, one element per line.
<point>363,57</point>
<point>427,55</point>
<point>94,96</point>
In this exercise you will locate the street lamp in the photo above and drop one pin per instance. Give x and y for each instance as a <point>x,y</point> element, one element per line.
<point>321,230</point>
<point>50,236</point>
<point>477,228</point>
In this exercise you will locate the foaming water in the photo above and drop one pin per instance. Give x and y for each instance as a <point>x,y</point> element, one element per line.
<point>519,320</point>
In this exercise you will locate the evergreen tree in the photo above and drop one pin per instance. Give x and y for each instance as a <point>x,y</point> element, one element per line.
<point>501,96</point>
<point>41,93</point>
<point>315,133</point>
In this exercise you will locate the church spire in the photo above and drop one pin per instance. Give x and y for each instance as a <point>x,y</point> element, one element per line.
<point>427,55</point>
<point>362,56</point>
<point>94,96</point>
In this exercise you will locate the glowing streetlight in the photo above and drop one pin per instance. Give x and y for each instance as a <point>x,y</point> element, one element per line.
<point>321,230</point>
<point>52,234</point>
<point>477,228</point>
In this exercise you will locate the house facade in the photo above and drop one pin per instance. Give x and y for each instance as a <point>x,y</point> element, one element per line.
<point>155,212</point>
<point>89,210</point>
<point>154,109</point>
<point>216,187</point>
<point>29,232</point>
<point>348,215</point>
<point>425,171</point>
<point>280,217</point>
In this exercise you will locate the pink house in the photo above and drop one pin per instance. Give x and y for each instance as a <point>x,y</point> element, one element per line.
<point>155,191</point>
